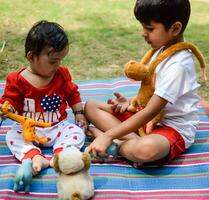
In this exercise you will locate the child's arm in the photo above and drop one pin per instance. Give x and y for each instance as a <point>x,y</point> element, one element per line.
<point>80,118</point>
<point>101,143</point>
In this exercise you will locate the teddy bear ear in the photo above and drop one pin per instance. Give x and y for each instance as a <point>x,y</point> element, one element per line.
<point>56,163</point>
<point>87,160</point>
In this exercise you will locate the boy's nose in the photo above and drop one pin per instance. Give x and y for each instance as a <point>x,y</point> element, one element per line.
<point>143,33</point>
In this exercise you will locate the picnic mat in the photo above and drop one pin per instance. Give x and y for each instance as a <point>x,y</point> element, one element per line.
<point>186,177</point>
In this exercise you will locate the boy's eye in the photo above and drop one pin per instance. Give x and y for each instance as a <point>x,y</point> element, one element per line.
<point>150,29</point>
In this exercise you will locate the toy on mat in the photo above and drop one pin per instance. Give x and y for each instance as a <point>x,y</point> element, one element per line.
<point>74,181</point>
<point>27,123</point>
<point>144,72</point>
<point>24,176</point>
<point>113,149</point>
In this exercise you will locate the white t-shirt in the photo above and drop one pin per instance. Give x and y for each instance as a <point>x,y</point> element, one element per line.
<point>176,82</point>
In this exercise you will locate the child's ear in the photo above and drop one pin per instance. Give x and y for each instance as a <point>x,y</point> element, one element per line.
<point>56,163</point>
<point>176,28</point>
<point>29,56</point>
<point>87,160</point>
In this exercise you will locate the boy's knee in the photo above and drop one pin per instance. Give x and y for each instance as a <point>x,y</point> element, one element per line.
<point>146,150</point>
<point>89,104</point>
<point>142,151</point>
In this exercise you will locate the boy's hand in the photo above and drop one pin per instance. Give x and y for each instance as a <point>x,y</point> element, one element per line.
<point>99,146</point>
<point>119,104</point>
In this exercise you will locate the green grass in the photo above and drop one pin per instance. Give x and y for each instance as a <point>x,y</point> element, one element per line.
<point>104,34</point>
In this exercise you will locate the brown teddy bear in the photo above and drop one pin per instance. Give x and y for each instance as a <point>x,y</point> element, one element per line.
<point>74,181</point>
<point>144,71</point>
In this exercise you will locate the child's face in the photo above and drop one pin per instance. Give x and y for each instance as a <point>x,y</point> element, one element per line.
<point>156,35</point>
<point>47,62</point>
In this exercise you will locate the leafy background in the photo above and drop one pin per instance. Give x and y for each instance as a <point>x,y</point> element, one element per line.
<point>104,34</point>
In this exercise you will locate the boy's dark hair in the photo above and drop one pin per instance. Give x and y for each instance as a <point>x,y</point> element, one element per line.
<point>163,11</point>
<point>43,34</point>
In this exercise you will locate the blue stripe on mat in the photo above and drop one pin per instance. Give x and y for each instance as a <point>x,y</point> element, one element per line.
<point>118,179</point>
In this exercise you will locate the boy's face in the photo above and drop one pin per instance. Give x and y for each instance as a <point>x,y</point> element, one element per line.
<point>156,35</point>
<point>47,62</point>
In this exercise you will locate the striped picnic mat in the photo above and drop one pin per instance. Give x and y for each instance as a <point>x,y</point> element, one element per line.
<point>186,177</point>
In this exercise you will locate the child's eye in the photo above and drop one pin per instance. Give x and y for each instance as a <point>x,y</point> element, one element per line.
<point>52,63</point>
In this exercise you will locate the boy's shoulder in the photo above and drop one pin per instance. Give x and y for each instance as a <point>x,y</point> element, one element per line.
<point>180,62</point>
<point>182,57</point>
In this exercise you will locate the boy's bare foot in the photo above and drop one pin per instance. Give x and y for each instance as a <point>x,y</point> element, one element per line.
<point>39,163</point>
<point>93,132</point>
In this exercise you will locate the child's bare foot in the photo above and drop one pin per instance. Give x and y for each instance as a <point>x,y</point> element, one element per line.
<point>39,163</point>
<point>93,132</point>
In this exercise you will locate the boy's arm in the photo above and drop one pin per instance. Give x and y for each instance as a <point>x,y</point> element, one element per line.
<point>154,106</point>
<point>101,143</point>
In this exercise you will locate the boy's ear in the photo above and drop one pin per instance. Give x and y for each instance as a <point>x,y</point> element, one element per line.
<point>29,55</point>
<point>176,28</point>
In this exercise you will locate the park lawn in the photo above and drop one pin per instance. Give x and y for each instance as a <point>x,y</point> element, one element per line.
<point>104,34</point>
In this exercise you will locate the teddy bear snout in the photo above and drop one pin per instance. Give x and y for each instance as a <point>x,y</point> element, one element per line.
<point>75,164</point>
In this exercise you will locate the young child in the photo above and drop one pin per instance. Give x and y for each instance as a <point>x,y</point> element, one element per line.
<point>42,91</point>
<point>163,22</point>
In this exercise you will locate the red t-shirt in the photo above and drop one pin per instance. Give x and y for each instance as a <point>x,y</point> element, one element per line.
<point>47,104</point>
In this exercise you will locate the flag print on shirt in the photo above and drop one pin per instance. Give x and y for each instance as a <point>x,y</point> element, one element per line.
<point>51,103</point>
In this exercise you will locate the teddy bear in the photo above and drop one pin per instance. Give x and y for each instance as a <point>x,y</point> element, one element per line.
<point>144,71</point>
<point>74,181</point>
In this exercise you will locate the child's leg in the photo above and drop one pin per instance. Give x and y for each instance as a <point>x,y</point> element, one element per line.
<point>101,116</point>
<point>21,150</point>
<point>71,136</point>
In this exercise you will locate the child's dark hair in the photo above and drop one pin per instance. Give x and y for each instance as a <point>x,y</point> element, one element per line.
<point>163,11</point>
<point>43,34</point>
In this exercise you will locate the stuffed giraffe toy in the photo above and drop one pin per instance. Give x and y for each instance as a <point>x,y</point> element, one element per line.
<point>144,72</point>
<point>27,123</point>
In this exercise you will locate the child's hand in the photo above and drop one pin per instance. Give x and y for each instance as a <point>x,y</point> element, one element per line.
<point>120,104</point>
<point>80,120</point>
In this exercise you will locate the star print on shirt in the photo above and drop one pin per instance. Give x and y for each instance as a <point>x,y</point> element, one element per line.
<point>51,103</point>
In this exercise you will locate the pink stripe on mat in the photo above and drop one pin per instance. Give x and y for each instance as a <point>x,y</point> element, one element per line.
<point>159,194</point>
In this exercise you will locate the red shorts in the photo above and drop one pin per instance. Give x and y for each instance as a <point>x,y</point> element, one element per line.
<point>177,144</point>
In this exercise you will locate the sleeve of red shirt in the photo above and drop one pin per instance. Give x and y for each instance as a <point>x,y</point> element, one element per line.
<point>12,91</point>
<point>72,94</point>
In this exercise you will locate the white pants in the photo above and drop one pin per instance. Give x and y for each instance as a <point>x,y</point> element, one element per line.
<point>62,135</point>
